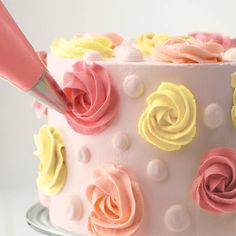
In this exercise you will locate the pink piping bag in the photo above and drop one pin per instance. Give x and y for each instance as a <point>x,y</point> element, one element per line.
<point>21,66</point>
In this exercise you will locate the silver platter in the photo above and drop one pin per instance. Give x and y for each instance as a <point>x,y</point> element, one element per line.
<point>37,218</point>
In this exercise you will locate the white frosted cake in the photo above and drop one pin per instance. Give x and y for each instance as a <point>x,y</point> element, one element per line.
<point>149,148</point>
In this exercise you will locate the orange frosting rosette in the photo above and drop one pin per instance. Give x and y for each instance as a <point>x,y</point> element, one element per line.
<point>179,50</point>
<point>116,200</point>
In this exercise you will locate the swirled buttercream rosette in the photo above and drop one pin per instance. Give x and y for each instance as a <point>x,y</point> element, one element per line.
<point>146,42</point>
<point>52,156</point>
<point>225,41</point>
<point>214,188</point>
<point>180,50</point>
<point>94,99</point>
<point>116,202</point>
<point>169,121</point>
<point>76,47</point>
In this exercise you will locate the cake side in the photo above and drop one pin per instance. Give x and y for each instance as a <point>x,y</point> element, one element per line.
<point>165,177</point>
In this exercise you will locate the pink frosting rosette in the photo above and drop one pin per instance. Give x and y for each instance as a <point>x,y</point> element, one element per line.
<point>180,50</point>
<point>93,97</point>
<point>116,200</point>
<point>225,41</point>
<point>214,189</point>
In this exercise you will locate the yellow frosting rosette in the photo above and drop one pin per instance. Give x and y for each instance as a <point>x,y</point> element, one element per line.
<point>76,47</point>
<point>52,156</point>
<point>233,110</point>
<point>146,42</point>
<point>169,121</point>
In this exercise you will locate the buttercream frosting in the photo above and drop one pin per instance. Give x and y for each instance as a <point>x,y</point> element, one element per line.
<point>76,47</point>
<point>146,42</point>
<point>52,156</point>
<point>128,53</point>
<point>230,55</point>
<point>115,38</point>
<point>214,188</point>
<point>93,96</point>
<point>116,202</point>
<point>179,50</point>
<point>225,41</point>
<point>169,121</point>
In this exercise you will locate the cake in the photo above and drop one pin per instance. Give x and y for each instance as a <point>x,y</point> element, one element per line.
<point>149,146</point>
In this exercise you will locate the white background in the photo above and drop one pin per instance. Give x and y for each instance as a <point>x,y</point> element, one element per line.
<point>44,20</point>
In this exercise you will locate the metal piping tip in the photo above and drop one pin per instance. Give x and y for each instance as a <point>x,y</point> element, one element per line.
<point>48,92</point>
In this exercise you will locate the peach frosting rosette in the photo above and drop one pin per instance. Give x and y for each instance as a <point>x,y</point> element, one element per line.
<point>52,156</point>
<point>94,99</point>
<point>179,50</point>
<point>225,41</point>
<point>116,201</point>
<point>169,121</point>
<point>214,189</point>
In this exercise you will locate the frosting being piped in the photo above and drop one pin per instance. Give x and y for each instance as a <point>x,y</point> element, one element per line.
<point>94,98</point>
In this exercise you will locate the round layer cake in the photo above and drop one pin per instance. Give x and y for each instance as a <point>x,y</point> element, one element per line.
<point>149,146</point>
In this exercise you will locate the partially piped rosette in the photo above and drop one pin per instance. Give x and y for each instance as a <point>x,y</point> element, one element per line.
<point>169,121</point>
<point>180,50</point>
<point>94,98</point>
<point>214,188</point>
<point>52,155</point>
<point>76,47</point>
<point>116,202</point>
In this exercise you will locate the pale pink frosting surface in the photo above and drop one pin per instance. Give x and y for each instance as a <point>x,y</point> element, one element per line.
<point>179,50</point>
<point>116,200</point>
<point>214,189</point>
<point>225,41</point>
<point>94,98</point>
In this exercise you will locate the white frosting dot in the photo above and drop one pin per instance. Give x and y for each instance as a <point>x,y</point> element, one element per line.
<point>157,170</point>
<point>91,56</point>
<point>133,86</point>
<point>121,141</point>
<point>230,55</point>
<point>73,208</point>
<point>128,53</point>
<point>177,218</point>
<point>213,116</point>
<point>83,154</point>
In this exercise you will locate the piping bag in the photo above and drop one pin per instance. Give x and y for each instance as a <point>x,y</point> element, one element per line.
<point>21,66</point>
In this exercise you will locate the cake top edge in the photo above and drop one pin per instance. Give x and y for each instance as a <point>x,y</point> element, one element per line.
<point>147,61</point>
<point>192,48</point>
